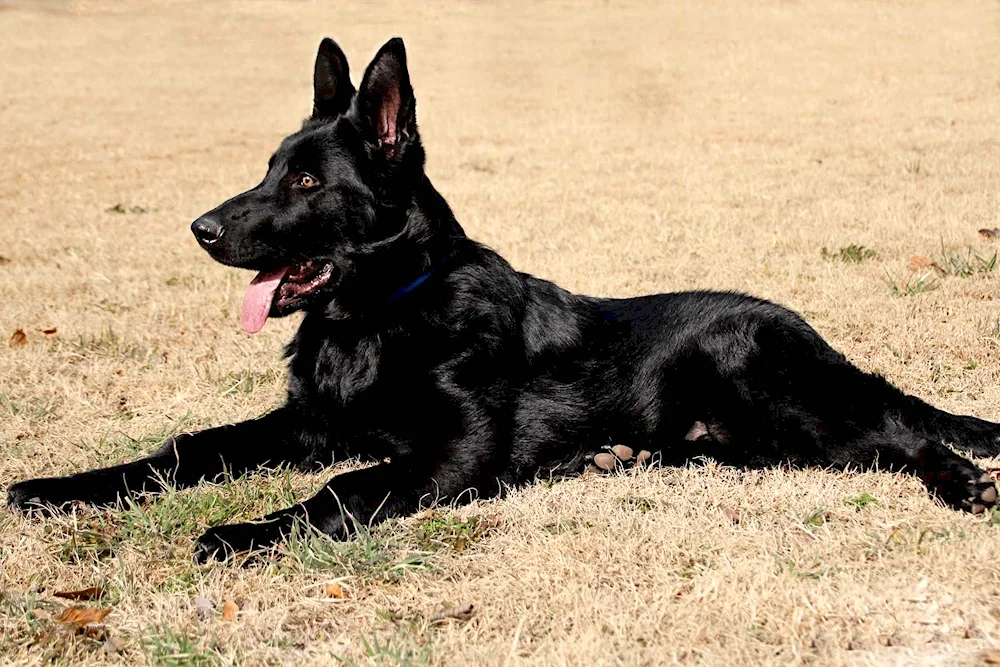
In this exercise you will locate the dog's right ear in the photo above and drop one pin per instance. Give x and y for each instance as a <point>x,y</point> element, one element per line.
<point>332,87</point>
<point>385,100</point>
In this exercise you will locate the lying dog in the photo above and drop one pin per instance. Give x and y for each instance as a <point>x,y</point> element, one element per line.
<point>426,352</point>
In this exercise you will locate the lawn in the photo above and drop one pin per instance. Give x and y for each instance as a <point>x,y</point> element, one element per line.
<point>837,157</point>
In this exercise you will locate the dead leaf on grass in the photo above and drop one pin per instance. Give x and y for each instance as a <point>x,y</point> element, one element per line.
<point>990,233</point>
<point>80,617</point>
<point>19,338</point>
<point>733,515</point>
<point>229,610</point>
<point>91,593</point>
<point>990,656</point>
<point>921,262</point>
<point>458,612</point>
<point>49,332</point>
<point>335,590</point>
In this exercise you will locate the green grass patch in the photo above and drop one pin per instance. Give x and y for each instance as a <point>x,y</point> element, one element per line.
<point>122,209</point>
<point>816,518</point>
<point>637,504</point>
<point>918,283</point>
<point>399,650</point>
<point>247,380</point>
<point>123,447</point>
<point>438,530</point>
<point>862,501</point>
<point>171,648</point>
<point>29,407</point>
<point>990,328</point>
<point>562,527</point>
<point>852,254</point>
<point>377,554</point>
<point>165,524</point>
<point>108,344</point>
<point>810,570</point>
<point>964,262</point>
<point>911,539</point>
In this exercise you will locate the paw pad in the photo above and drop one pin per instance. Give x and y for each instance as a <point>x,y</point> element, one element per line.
<point>622,455</point>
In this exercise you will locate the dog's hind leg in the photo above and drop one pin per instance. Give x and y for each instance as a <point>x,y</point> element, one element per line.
<point>964,432</point>
<point>954,479</point>
<point>858,421</point>
<point>181,461</point>
<point>793,399</point>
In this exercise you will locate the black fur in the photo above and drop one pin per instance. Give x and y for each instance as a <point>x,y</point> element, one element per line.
<point>481,378</point>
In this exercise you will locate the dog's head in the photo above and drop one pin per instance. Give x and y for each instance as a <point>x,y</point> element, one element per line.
<point>336,190</point>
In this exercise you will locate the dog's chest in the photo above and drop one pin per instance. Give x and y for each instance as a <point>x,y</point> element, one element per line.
<point>366,378</point>
<point>335,372</point>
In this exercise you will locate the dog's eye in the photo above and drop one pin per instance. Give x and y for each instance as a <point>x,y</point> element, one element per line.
<point>307,181</point>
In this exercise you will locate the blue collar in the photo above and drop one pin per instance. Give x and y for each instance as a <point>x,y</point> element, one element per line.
<point>406,289</point>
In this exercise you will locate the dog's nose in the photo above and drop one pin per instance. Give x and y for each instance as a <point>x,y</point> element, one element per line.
<point>207,230</point>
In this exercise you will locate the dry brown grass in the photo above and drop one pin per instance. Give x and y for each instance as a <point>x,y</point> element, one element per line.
<point>615,149</point>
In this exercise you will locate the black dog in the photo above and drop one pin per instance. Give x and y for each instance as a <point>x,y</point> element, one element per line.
<point>423,347</point>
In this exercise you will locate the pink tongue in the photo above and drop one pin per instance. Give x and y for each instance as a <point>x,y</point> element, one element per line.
<point>257,302</point>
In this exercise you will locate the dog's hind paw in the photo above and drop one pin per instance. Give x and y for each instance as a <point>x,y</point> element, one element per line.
<point>975,493</point>
<point>622,456</point>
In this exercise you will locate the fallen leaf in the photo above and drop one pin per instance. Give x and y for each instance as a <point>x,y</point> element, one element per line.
<point>204,608</point>
<point>459,612</point>
<point>79,617</point>
<point>229,609</point>
<point>732,515</point>
<point>990,233</point>
<point>49,332</point>
<point>335,590</point>
<point>91,593</point>
<point>990,656</point>
<point>921,262</point>
<point>19,338</point>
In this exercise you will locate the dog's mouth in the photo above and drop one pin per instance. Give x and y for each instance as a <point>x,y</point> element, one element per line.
<point>278,292</point>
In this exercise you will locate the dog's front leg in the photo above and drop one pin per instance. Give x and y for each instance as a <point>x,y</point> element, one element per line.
<point>357,498</point>
<point>181,461</point>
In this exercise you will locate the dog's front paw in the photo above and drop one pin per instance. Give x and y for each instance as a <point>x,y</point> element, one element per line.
<point>224,542</point>
<point>41,496</point>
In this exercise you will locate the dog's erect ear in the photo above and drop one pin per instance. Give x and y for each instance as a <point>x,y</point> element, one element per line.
<point>385,99</point>
<point>332,87</point>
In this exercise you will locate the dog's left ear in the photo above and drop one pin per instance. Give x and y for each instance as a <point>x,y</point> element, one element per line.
<point>385,99</point>
<point>332,87</point>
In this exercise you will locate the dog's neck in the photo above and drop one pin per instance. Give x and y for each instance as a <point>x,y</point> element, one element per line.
<point>388,274</point>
